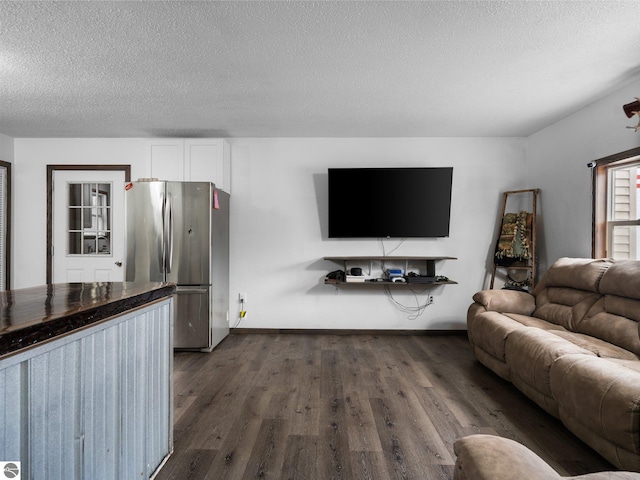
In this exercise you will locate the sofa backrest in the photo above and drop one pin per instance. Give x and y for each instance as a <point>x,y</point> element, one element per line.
<point>569,289</point>
<point>615,317</point>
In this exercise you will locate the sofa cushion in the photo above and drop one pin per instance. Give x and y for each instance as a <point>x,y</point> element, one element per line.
<point>630,364</point>
<point>616,475</point>
<point>597,346</point>
<point>622,279</point>
<point>603,397</point>
<point>622,306</point>
<point>489,330</point>
<point>569,289</point>
<point>564,306</point>
<point>511,301</point>
<point>499,367</point>
<point>488,457</point>
<point>528,321</point>
<point>530,353</point>
<point>577,273</point>
<point>615,320</point>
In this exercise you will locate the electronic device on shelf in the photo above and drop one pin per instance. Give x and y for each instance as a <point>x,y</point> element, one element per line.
<point>413,277</point>
<point>420,279</point>
<point>336,276</point>
<point>393,274</point>
<point>355,279</point>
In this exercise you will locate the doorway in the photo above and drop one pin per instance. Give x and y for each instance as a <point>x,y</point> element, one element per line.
<point>85,222</point>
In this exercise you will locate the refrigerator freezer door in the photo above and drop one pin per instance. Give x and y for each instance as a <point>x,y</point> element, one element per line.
<point>189,233</point>
<point>144,231</point>
<point>191,328</point>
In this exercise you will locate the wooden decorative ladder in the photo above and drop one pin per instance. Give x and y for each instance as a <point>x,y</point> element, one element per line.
<point>532,262</point>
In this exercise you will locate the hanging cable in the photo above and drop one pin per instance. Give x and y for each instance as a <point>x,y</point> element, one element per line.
<point>414,312</point>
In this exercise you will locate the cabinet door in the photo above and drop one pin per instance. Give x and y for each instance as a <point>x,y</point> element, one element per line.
<point>207,160</point>
<point>166,159</point>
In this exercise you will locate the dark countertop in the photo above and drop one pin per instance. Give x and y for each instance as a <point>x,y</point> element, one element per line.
<point>31,316</point>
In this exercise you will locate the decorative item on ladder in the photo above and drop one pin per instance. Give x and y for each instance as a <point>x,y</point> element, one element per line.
<point>515,249</point>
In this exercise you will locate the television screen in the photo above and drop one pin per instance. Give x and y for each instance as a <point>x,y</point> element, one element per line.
<point>389,202</point>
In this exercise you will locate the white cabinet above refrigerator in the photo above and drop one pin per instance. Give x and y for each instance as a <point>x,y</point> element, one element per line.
<point>190,160</point>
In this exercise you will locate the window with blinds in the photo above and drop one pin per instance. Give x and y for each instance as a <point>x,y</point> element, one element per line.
<point>623,220</point>
<point>617,207</point>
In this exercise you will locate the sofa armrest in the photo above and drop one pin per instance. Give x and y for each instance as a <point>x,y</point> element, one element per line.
<point>488,457</point>
<point>506,301</point>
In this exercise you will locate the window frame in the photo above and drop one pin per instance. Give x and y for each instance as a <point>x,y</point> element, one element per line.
<point>600,198</point>
<point>7,231</point>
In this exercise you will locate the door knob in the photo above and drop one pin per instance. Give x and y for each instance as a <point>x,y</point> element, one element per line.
<point>119,264</point>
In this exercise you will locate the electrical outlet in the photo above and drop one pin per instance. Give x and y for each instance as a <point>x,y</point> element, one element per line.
<point>243,297</point>
<point>430,299</point>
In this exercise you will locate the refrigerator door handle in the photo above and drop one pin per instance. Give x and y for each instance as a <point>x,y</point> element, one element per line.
<point>163,252</point>
<point>169,234</point>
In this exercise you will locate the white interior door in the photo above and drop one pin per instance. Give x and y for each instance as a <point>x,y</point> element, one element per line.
<point>88,226</point>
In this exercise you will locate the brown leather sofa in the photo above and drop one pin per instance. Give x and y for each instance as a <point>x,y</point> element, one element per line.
<point>573,347</point>
<point>487,457</point>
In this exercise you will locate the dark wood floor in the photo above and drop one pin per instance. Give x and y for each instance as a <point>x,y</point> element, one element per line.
<point>310,406</point>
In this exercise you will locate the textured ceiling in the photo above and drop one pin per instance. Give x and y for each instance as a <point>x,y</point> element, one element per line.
<point>310,69</point>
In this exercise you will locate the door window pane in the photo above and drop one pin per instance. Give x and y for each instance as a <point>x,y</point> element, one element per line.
<point>89,219</point>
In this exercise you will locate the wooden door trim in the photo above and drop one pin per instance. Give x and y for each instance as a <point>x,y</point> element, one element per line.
<point>7,280</point>
<point>51,169</point>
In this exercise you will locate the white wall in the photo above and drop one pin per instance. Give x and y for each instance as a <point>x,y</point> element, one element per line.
<point>278,222</point>
<point>557,158</point>
<point>279,229</point>
<point>6,148</point>
<point>30,191</point>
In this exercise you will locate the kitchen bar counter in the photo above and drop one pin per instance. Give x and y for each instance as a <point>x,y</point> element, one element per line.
<point>31,316</point>
<point>86,380</point>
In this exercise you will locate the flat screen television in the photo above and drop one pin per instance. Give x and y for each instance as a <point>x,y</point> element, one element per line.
<point>389,202</point>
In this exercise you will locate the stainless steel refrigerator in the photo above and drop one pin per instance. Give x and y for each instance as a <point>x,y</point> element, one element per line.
<point>179,232</point>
